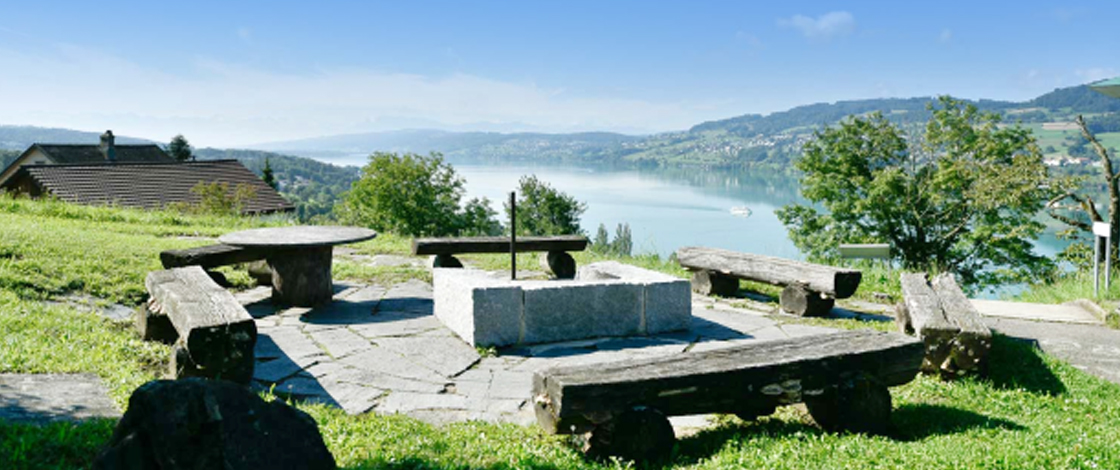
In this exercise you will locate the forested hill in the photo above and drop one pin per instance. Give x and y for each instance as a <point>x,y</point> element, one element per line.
<point>312,186</point>
<point>749,140</point>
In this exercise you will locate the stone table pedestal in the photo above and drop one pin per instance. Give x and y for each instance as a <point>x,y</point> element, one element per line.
<point>300,257</point>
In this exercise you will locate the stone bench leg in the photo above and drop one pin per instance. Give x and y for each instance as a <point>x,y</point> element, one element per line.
<point>559,264</point>
<point>302,277</point>
<point>712,283</point>
<point>859,404</point>
<point>446,261</point>
<point>800,301</point>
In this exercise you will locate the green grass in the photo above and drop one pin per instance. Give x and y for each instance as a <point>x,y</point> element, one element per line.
<point>1033,412</point>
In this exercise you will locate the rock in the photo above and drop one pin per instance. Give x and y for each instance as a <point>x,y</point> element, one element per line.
<point>197,423</point>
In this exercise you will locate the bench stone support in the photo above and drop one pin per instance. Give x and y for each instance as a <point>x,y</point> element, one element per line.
<point>558,263</point>
<point>858,404</point>
<point>713,283</point>
<point>799,300</point>
<point>640,434</point>
<point>446,261</point>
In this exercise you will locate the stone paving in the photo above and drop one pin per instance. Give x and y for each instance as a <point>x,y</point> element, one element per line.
<point>43,398</point>
<point>381,349</point>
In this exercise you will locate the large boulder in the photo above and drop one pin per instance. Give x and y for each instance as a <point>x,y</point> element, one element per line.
<point>198,423</point>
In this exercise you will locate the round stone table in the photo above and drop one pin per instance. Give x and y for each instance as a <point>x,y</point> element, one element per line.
<point>300,258</point>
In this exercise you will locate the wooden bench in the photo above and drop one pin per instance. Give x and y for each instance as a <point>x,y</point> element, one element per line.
<point>215,335</point>
<point>557,260</point>
<point>212,256</point>
<point>809,289</point>
<point>841,377</point>
<point>957,340</point>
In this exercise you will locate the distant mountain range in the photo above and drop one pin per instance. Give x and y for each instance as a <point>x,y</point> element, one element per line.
<point>748,140</point>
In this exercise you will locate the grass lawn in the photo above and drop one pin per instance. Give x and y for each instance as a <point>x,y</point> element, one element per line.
<point>1033,412</point>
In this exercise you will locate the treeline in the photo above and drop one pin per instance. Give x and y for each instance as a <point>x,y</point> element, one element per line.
<point>312,186</point>
<point>8,156</point>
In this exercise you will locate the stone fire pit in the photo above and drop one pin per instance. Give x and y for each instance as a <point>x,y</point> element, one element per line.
<point>605,299</point>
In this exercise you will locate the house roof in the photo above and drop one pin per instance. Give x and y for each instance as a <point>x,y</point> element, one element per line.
<point>67,154</point>
<point>149,185</point>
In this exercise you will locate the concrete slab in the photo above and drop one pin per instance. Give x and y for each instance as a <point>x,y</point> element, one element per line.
<point>1066,313</point>
<point>1091,348</point>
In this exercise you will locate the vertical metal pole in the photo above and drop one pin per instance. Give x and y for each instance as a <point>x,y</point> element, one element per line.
<point>512,235</point>
<point>1096,265</point>
<point>1107,262</point>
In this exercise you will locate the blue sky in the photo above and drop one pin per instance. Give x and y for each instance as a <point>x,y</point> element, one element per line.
<point>238,73</point>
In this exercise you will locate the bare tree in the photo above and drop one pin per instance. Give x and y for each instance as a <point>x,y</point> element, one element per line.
<point>1085,203</point>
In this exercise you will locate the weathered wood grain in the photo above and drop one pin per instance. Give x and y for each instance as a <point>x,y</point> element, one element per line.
<point>451,246</point>
<point>839,283</point>
<point>956,339</point>
<point>747,377</point>
<point>974,340</point>
<point>927,320</point>
<point>215,331</point>
<point>210,256</point>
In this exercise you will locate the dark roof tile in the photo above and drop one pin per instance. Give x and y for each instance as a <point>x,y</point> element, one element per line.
<point>65,154</point>
<point>151,185</point>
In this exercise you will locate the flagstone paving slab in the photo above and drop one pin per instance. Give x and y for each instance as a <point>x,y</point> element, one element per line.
<point>44,398</point>
<point>380,349</point>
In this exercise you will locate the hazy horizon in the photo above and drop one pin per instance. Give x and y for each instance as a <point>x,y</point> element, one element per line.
<point>254,73</point>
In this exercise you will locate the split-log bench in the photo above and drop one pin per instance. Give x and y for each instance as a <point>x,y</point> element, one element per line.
<point>809,289</point>
<point>956,339</point>
<point>212,256</point>
<point>557,260</point>
<point>214,334</point>
<point>841,377</point>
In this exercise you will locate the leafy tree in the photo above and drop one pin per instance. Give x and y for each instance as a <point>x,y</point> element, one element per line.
<point>961,197</point>
<point>623,244</point>
<point>413,195</point>
<point>601,243</point>
<point>267,176</point>
<point>543,210</point>
<point>179,148</point>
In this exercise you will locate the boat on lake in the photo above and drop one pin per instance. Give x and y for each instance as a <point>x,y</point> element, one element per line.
<point>741,211</point>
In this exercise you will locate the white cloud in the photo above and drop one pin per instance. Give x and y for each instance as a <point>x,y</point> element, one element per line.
<point>946,36</point>
<point>222,104</point>
<point>244,33</point>
<point>824,27</point>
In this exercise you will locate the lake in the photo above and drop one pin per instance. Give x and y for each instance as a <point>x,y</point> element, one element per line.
<point>666,209</point>
<point>670,208</point>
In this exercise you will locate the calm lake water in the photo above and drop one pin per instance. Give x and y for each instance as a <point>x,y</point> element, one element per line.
<point>666,209</point>
<point>672,208</point>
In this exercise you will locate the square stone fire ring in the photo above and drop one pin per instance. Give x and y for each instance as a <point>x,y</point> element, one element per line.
<point>605,299</point>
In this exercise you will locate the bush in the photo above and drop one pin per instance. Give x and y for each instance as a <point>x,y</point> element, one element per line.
<point>414,195</point>
<point>542,210</point>
<point>215,198</point>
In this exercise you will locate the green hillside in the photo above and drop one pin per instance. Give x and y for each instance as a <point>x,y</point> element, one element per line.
<point>312,186</point>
